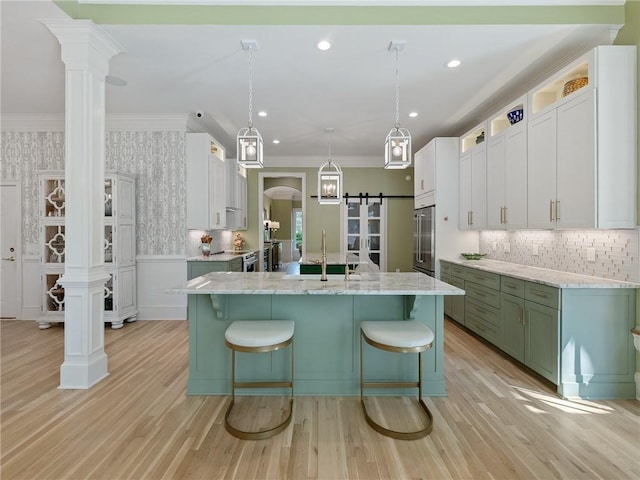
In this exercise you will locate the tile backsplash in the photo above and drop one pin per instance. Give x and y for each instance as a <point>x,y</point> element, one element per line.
<point>601,253</point>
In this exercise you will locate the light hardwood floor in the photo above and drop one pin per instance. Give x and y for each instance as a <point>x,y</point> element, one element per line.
<point>497,421</point>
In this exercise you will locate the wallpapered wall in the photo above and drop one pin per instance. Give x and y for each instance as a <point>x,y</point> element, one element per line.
<point>157,158</point>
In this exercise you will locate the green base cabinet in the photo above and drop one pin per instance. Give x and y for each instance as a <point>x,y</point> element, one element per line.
<point>198,268</point>
<point>513,324</point>
<point>577,338</point>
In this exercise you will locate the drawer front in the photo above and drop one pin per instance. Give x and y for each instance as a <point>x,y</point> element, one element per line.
<point>542,294</point>
<point>489,332</point>
<point>445,268</point>
<point>485,313</point>
<point>458,271</point>
<point>491,280</point>
<point>482,294</point>
<point>512,286</point>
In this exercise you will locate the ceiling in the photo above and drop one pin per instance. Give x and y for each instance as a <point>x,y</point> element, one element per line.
<point>182,69</point>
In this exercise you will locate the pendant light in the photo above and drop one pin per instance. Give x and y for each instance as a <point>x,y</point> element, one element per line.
<point>249,142</point>
<point>397,147</point>
<point>329,180</point>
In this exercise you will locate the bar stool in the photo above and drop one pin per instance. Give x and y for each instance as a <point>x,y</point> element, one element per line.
<point>258,337</point>
<point>408,336</point>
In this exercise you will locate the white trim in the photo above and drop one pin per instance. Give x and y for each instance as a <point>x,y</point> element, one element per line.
<point>163,122</point>
<point>259,236</point>
<point>114,122</point>
<point>313,161</point>
<point>362,3</point>
<point>32,123</point>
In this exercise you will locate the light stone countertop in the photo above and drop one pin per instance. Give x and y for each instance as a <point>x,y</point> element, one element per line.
<point>218,257</point>
<point>278,283</point>
<point>545,276</point>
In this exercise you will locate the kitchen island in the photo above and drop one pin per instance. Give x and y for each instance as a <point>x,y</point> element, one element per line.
<point>327,317</point>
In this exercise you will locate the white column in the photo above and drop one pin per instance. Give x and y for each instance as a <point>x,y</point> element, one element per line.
<point>86,51</point>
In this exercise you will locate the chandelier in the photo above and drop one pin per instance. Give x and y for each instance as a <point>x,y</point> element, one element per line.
<point>249,141</point>
<point>397,147</point>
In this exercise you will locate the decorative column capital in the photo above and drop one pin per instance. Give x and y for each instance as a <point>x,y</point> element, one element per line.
<point>83,43</point>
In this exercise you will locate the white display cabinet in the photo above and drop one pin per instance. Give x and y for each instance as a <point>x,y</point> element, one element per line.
<point>582,143</point>
<point>236,215</point>
<point>119,248</point>
<point>473,179</point>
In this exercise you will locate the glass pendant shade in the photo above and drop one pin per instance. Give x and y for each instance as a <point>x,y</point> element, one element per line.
<point>249,148</point>
<point>397,149</point>
<point>329,184</point>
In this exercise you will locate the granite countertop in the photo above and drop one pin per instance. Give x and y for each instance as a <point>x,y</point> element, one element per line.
<point>278,283</point>
<point>545,276</point>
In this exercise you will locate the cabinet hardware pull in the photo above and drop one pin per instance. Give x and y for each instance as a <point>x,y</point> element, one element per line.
<point>513,287</point>
<point>505,215</point>
<point>541,295</point>
<point>421,184</point>
<point>471,217</point>
<point>551,210</point>
<point>521,315</point>
<point>557,210</point>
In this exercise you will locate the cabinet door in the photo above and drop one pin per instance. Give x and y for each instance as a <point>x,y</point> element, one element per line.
<point>479,188</point>
<point>464,185</point>
<point>576,163</point>
<point>512,311</point>
<point>457,301</point>
<point>218,195</point>
<point>496,155</point>
<point>541,171</point>
<point>515,177</point>
<point>541,334</point>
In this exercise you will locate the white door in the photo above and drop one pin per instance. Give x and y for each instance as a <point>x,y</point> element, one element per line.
<point>366,229</point>
<point>9,208</point>
<point>541,171</point>
<point>496,169</point>
<point>515,179</point>
<point>479,188</point>
<point>464,185</point>
<point>576,163</point>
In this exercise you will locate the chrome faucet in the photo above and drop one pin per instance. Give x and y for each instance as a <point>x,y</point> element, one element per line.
<point>323,277</point>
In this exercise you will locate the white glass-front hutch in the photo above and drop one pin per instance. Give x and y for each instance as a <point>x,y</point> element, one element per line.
<point>119,248</point>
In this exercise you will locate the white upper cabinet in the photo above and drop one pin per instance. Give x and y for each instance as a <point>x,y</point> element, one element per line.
<point>582,144</point>
<point>473,180</point>
<point>424,176</point>
<point>236,195</point>
<point>507,168</point>
<point>206,182</point>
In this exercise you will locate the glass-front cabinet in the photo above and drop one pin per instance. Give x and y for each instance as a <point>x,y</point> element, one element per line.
<point>119,248</point>
<point>364,231</point>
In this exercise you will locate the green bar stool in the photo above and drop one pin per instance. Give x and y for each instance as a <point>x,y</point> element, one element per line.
<point>408,336</point>
<point>258,337</point>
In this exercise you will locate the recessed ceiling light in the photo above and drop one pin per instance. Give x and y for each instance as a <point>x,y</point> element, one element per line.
<point>413,114</point>
<point>323,45</point>
<point>262,113</point>
<point>276,141</point>
<point>454,63</point>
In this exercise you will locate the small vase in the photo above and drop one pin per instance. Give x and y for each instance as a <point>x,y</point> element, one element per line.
<point>206,249</point>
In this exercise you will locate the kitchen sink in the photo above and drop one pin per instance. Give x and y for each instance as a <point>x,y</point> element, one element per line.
<point>316,276</point>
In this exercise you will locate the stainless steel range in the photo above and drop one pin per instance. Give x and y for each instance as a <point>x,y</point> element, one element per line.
<point>249,260</point>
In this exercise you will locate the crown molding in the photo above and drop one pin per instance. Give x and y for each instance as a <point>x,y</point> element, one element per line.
<point>114,123</point>
<point>32,123</point>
